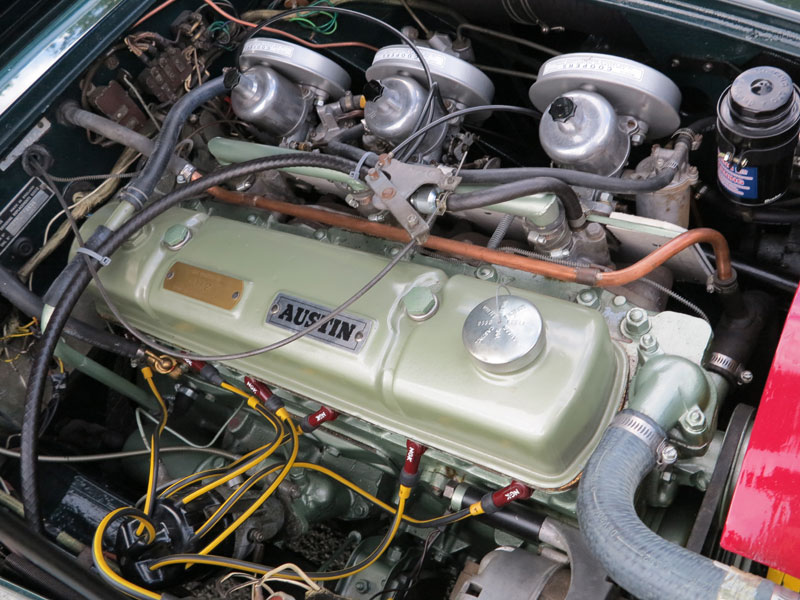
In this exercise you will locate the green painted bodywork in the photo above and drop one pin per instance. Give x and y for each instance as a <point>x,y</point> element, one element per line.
<point>538,425</point>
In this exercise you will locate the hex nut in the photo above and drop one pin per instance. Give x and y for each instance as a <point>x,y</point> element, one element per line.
<point>636,322</point>
<point>694,421</point>
<point>176,236</point>
<point>648,343</point>
<point>420,303</point>
<point>588,298</point>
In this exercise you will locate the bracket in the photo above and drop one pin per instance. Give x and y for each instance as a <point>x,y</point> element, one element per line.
<point>394,182</point>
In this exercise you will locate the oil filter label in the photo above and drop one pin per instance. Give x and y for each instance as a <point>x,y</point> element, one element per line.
<point>742,182</point>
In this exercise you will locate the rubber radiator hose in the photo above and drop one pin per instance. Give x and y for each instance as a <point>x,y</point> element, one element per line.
<point>639,560</point>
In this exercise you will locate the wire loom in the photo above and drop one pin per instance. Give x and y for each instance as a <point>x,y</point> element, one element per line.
<point>285,431</point>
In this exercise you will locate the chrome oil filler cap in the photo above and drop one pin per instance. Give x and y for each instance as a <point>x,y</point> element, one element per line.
<point>504,334</point>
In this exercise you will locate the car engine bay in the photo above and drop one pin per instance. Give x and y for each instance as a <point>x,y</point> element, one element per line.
<point>397,300</point>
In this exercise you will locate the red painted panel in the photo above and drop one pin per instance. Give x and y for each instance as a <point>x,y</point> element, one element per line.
<point>764,519</point>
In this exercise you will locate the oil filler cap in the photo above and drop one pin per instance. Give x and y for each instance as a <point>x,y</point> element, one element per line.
<point>504,334</point>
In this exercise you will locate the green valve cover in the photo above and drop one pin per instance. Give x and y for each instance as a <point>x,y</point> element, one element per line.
<point>234,286</point>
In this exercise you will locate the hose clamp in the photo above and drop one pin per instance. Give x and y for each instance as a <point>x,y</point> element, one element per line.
<point>642,427</point>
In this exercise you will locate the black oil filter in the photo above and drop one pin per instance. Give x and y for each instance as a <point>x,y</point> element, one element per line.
<point>758,120</point>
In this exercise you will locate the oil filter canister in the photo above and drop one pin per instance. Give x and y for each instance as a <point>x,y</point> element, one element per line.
<point>758,119</point>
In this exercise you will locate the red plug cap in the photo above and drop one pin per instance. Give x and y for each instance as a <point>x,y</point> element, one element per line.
<point>258,389</point>
<point>510,493</point>
<point>314,420</point>
<point>206,371</point>
<point>414,452</point>
<point>195,365</point>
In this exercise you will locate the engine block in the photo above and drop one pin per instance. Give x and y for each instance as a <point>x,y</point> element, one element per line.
<point>227,285</point>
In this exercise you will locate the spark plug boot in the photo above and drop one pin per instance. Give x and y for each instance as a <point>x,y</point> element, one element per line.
<point>494,501</point>
<point>261,391</point>
<point>410,474</point>
<point>206,371</point>
<point>315,419</point>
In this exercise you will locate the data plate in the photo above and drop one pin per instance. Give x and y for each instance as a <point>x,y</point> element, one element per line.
<point>21,210</point>
<point>344,330</point>
<point>204,285</point>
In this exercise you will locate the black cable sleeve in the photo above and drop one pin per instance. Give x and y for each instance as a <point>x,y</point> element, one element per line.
<point>61,283</point>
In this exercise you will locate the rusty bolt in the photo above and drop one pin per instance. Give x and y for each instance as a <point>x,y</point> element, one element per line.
<point>373,174</point>
<point>388,193</point>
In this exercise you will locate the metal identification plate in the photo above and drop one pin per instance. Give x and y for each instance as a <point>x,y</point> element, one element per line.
<point>204,285</point>
<point>344,330</point>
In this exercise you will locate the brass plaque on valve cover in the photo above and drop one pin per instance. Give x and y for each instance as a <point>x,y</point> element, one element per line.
<point>204,285</point>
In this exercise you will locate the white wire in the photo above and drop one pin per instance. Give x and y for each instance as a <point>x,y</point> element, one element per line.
<point>116,455</point>
<point>188,442</point>
<point>273,576</point>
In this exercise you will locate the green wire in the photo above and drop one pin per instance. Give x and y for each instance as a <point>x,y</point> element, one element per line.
<point>326,28</point>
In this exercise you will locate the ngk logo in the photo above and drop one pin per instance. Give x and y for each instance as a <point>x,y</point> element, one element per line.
<point>320,416</point>
<point>510,495</point>
<point>410,455</point>
<point>251,386</point>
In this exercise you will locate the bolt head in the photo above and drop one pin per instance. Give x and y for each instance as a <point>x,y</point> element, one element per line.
<point>648,343</point>
<point>669,454</point>
<point>486,273</point>
<point>388,193</point>
<point>636,322</point>
<point>176,236</point>
<point>562,108</point>
<point>588,298</point>
<point>420,302</point>
<point>746,377</point>
<point>320,234</point>
<point>695,421</point>
<point>619,300</point>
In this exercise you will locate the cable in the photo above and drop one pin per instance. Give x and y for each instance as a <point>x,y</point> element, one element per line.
<point>463,112</point>
<point>294,38</point>
<point>574,263</point>
<point>263,453</point>
<point>507,37</point>
<point>426,32</point>
<point>232,563</point>
<point>231,500</point>
<point>263,349</point>
<point>74,282</point>
<point>152,482</point>
<point>285,418</point>
<point>99,559</point>
<point>189,442</point>
<point>93,177</point>
<point>119,455</point>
